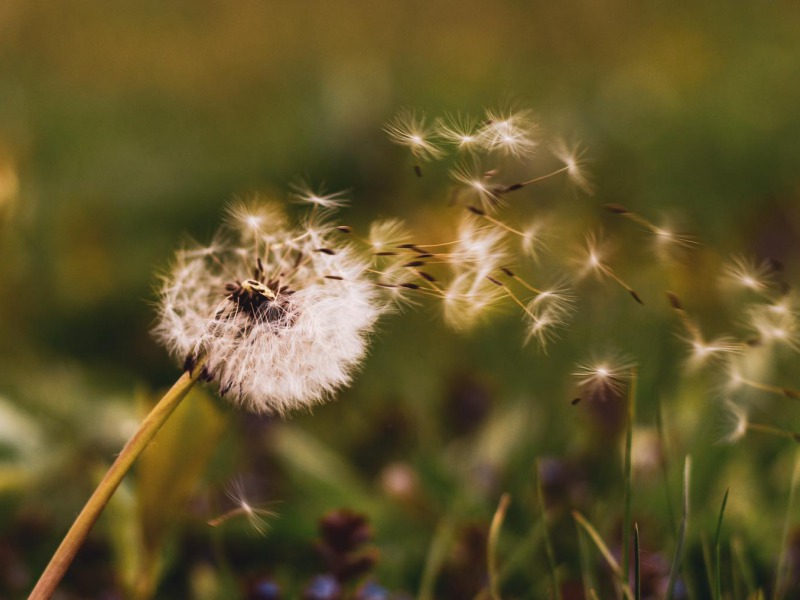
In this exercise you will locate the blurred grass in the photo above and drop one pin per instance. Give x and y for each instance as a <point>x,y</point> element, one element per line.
<point>124,128</point>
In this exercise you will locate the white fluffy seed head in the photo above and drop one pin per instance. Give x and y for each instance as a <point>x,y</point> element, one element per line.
<point>280,315</point>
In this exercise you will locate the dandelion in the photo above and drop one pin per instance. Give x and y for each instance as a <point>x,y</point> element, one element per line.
<point>604,378</point>
<point>280,320</point>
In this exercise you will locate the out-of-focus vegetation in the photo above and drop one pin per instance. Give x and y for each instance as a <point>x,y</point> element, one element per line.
<point>125,127</point>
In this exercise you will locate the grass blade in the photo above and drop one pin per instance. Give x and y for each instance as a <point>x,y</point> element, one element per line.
<point>548,544</point>
<point>780,579</point>
<point>587,576</point>
<point>676,560</point>
<point>717,553</point>
<point>601,546</point>
<point>662,444</point>
<point>437,553</point>
<point>626,523</point>
<point>491,551</point>
<point>637,572</point>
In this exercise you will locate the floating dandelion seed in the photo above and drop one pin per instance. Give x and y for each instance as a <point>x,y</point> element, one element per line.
<point>748,274</point>
<point>460,131</point>
<point>606,378</point>
<point>385,236</point>
<point>775,324</point>
<point>408,129</point>
<point>256,517</point>
<point>736,422</point>
<point>702,352</point>
<point>592,261</point>
<point>304,194</point>
<point>574,160</point>
<point>280,315</point>
<point>533,238</point>
<point>476,187</point>
<point>510,133</point>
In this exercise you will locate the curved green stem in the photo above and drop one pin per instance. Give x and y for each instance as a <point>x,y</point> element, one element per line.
<point>77,534</point>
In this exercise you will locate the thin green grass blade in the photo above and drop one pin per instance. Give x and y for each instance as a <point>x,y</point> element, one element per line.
<point>601,546</point>
<point>780,575</point>
<point>548,544</point>
<point>717,552</point>
<point>662,443</point>
<point>587,576</point>
<point>745,569</point>
<point>637,572</point>
<point>676,560</point>
<point>491,550</point>
<point>437,553</point>
<point>626,523</point>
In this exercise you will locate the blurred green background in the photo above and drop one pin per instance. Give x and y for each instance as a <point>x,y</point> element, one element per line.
<point>125,128</point>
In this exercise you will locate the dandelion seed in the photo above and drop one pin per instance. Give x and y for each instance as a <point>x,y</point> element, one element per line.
<point>533,238</point>
<point>255,218</point>
<point>606,378</point>
<point>280,322</point>
<point>748,274</point>
<point>543,323</point>
<point>574,161</point>
<point>476,187</point>
<point>459,130</point>
<point>304,194</point>
<point>256,517</point>
<point>408,129</point>
<point>592,262</point>
<point>387,234</point>
<point>703,352</point>
<point>736,422</point>
<point>510,133</point>
<point>775,324</point>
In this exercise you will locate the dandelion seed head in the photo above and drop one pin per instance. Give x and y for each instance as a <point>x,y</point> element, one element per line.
<point>282,323</point>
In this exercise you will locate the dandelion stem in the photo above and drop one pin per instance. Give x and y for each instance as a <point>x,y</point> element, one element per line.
<point>77,534</point>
